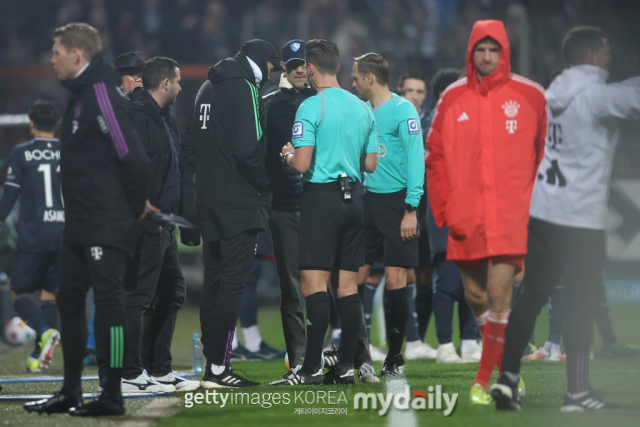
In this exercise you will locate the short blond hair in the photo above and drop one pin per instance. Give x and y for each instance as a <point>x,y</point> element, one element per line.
<point>81,36</point>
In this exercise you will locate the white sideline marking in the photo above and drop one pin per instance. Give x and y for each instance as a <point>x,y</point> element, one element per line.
<point>397,417</point>
<point>152,412</point>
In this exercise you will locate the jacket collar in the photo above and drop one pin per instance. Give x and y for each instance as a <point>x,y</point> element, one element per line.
<point>97,71</point>
<point>287,87</point>
<point>600,74</point>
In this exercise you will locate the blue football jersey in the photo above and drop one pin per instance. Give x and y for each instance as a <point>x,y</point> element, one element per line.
<point>34,175</point>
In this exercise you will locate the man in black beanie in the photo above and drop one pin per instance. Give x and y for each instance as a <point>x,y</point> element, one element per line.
<point>130,65</point>
<point>222,149</point>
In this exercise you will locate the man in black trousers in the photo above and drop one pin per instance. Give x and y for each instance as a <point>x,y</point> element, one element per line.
<point>154,282</point>
<point>104,175</point>
<point>281,107</point>
<point>223,168</point>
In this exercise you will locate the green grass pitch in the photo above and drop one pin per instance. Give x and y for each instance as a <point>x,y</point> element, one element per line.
<point>617,379</point>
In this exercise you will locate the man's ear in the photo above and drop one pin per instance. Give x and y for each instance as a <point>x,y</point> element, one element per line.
<point>77,55</point>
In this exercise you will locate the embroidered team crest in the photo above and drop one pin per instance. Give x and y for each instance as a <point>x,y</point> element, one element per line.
<point>295,46</point>
<point>511,109</point>
<point>298,130</point>
<point>413,127</point>
<point>382,150</point>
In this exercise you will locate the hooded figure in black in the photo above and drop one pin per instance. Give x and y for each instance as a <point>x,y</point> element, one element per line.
<point>226,191</point>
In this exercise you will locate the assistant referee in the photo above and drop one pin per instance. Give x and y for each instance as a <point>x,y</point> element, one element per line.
<point>335,138</point>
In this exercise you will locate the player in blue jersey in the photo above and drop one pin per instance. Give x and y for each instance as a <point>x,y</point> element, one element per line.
<point>33,176</point>
<point>393,192</point>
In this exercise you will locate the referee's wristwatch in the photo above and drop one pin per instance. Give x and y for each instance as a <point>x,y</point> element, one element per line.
<point>410,208</point>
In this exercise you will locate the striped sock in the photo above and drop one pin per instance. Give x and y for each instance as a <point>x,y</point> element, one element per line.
<point>482,321</point>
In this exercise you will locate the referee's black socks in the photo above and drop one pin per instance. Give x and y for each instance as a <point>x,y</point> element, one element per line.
<point>350,309</point>
<point>399,313</point>
<point>317,324</point>
<point>367,292</point>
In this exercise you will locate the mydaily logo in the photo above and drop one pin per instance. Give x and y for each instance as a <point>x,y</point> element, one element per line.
<point>383,402</point>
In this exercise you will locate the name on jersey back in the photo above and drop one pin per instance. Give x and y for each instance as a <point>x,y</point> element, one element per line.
<point>42,155</point>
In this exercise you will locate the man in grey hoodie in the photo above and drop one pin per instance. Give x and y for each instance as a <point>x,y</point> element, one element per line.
<point>568,211</point>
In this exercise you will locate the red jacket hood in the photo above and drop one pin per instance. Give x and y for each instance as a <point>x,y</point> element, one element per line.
<point>495,30</point>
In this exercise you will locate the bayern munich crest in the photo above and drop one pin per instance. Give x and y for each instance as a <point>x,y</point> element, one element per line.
<point>511,108</point>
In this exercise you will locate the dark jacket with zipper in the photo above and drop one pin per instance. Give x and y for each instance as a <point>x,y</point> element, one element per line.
<point>103,169</point>
<point>281,107</point>
<point>150,121</point>
<point>225,183</point>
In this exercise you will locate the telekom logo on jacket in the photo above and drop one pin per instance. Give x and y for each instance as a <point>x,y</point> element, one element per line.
<point>204,114</point>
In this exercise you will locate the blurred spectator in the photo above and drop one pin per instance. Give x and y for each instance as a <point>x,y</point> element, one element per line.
<point>416,35</point>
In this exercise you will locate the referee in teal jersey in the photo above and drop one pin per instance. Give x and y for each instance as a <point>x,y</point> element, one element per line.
<point>336,139</point>
<point>392,195</point>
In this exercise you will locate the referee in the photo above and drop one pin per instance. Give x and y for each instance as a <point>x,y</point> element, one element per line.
<point>392,195</point>
<point>335,139</point>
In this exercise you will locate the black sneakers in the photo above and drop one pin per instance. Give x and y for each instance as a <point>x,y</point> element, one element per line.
<point>297,377</point>
<point>228,378</point>
<point>391,366</point>
<point>505,396</point>
<point>58,404</point>
<point>330,357</point>
<point>340,374</point>
<point>102,406</point>
<point>587,401</point>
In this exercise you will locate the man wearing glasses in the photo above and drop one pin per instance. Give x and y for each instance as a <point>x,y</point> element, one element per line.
<point>130,65</point>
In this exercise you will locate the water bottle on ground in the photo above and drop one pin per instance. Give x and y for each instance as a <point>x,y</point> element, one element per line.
<point>197,360</point>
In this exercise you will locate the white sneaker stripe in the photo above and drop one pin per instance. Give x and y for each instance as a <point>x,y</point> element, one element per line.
<point>224,380</point>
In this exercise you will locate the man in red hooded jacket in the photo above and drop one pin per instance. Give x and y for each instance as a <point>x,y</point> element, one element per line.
<point>485,145</point>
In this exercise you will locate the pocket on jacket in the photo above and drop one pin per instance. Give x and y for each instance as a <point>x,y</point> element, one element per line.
<point>464,212</point>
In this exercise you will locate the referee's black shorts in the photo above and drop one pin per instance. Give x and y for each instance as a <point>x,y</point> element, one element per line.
<point>383,214</point>
<point>331,228</point>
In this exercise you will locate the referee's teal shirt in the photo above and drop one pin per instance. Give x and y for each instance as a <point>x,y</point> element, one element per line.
<point>400,151</point>
<point>341,128</point>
